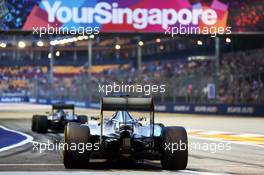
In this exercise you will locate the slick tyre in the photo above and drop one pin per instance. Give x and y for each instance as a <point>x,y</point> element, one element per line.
<point>41,123</point>
<point>33,123</point>
<point>75,134</point>
<point>174,148</point>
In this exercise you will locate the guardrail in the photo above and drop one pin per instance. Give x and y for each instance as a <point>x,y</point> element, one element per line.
<point>212,109</point>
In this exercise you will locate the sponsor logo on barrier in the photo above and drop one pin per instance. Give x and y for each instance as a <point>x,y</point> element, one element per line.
<point>241,110</point>
<point>210,109</point>
<point>43,101</point>
<point>181,108</point>
<point>12,99</point>
<point>160,107</point>
<point>32,100</point>
<point>94,105</point>
<point>80,104</point>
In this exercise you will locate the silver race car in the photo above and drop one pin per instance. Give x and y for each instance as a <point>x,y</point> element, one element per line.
<point>124,136</point>
<point>60,115</point>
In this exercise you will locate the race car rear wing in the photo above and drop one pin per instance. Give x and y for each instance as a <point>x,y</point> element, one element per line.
<point>127,104</point>
<point>63,106</point>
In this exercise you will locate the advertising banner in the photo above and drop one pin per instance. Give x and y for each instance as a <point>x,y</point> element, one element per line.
<point>118,15</point>
<point>133,16</point>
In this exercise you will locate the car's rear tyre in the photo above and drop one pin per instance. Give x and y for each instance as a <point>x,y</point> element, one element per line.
<point>82,119</point>
<point>75,134</point>
<point>41,123</point>
<point>174,148</point>
<point>33,123</point>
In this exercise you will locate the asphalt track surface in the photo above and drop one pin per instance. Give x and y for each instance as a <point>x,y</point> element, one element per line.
<point>240,143</point>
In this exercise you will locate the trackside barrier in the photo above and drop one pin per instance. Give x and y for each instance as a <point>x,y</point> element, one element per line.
<point>13,99</point>
<point>217,109</point>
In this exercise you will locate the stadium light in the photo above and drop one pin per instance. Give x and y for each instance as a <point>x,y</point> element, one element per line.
<point>158,40</point>
<point>40,43</point>
<point>228,40</point>
<point>117,46</point>
<point>75,39</point>
<point>49,55</point>
<point>68,40</point>
<point>58,53</point>
<point>21,44</point>
<point>161,47</point>
<point>140,43</point>
<point>199,42</point>
<point>53,43</point>
<point>80,38</point>
<point>91,36</point>
<point>3,45</point>
<point>63,41</point>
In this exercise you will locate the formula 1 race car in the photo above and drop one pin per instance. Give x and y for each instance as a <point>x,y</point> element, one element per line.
<point>57,119</point>
<point>124,136</point>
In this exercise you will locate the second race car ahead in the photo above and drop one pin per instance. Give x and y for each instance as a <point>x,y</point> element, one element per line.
<point>57,119</point>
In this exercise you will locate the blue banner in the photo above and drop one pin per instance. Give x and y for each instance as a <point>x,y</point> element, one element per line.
<point>213,109</point>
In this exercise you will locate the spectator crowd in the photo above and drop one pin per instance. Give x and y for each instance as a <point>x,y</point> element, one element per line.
<point>239,80</point>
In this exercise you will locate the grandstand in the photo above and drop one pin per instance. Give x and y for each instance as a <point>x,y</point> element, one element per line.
<point>183,65</point>
<point>196,69</point>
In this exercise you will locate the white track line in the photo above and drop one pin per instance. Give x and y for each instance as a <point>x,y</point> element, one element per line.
<point>202,173</point>
<point>111,172</point>
<point>181,171</point>
<point>31,164</point>
<point>27,140</point>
